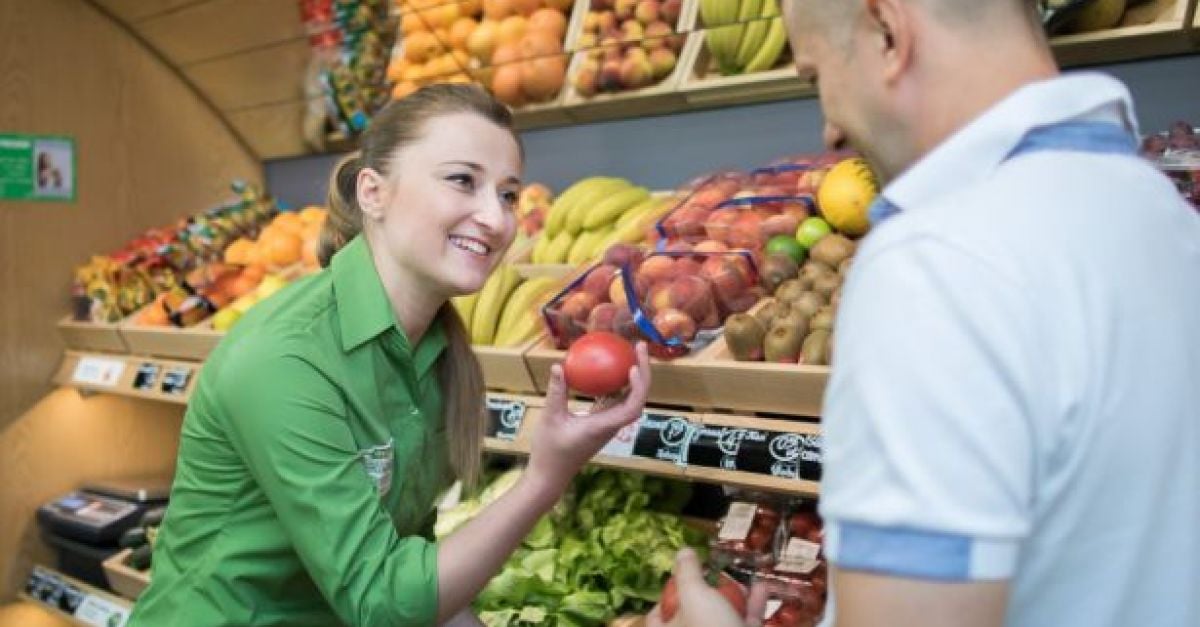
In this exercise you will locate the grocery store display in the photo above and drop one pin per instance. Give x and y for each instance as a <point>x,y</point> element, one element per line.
<point>158,264</point>
<point>743,36</point>
<point>504,312</point>
<point>350,42</point>
<point>592,215</point>
<point>627,45</point>
<point>516,49</point>
<point>1177,153</point>
<point>604,550</point>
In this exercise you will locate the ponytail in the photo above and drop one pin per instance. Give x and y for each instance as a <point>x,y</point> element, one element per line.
<point>461,380</point>
<point>345,218</point>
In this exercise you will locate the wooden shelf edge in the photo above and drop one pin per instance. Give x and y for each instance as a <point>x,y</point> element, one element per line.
<point>86,588</point>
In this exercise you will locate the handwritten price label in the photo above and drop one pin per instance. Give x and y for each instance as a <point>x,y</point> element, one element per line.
<point>98,371</point>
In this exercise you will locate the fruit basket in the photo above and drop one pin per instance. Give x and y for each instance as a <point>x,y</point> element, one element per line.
<point>635,71</point>
<point>754,78</point>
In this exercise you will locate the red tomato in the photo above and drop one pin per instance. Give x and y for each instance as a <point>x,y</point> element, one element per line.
<point>726,586</point>
<point>598,363</point>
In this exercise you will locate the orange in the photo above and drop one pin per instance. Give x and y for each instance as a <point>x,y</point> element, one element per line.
<point>561,5</point>
<point>402,89</point>
<point>155,314</point>
<point>506,85</point>
<point>313,214</point>
<point>280,248</point>
<point>308,253</point>
<point>542,78</point>
<point>471,8</point>
<point>288,221</point>
<point>239,251</point>
<point>511,29</point>
<point>411,23</point>
<point>537,44</point>
<point>482,41</point>
<point>526,7</point>
<point>497,9</point>
<point>460,31</point>
<point>506,54</point>
<point>550,21</point>
<point>420,46</point>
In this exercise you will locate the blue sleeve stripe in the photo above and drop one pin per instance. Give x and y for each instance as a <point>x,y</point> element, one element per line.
<point>903,552</point>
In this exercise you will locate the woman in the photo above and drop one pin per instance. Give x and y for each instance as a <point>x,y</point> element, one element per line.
<point>330,418</point>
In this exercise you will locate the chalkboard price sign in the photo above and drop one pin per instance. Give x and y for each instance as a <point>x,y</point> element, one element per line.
<point>175,380</point>
<point>664,437</point>
<point>504,418</point>
<point>779,454</point>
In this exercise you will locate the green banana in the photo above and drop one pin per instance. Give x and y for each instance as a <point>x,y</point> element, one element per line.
<point>492,297</point>
<point>608,210</point>
<point>641,208</point>
<point>769,53</point>
<point>561,208</point>
<point>539,247</point>
<point>756,32</point>
<point>582,248</point>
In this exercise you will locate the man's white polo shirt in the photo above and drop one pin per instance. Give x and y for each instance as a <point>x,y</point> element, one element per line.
<point>1016,381</point>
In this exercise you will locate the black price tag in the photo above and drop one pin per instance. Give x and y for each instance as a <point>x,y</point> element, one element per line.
<point>175,380</point>
<point>664,437</point>
<point>788,455</point>
<point>146,377</point>
<point>504,418</point>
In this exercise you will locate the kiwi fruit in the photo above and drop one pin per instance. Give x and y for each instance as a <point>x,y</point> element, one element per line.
<point>783,344</point>
<point>772,310</point>
<point>809,303</point>
<point>795,319</point>
<point>844,267</point>
<point>832,250</point>
<point>790,290</point>
<point>744,335</point>
<point>826,285</point>
<point>823,319</point>
<point>776,269</point>
<point>813,270</point>
<point>814,351</point>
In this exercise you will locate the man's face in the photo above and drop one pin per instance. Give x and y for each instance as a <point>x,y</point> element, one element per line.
<point>831,51</point>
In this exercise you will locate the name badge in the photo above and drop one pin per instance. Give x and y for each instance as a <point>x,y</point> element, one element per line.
<point>378,461</point>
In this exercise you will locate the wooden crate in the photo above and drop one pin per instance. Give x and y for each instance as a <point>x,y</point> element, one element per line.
<point>124,580</point>
<point>703,86</point>
<point>712,379</point>
<point>91,336</point>
<point>504,368</point>
<point>662,97</point>
<point>1156,28</point>
<point>190,343</point>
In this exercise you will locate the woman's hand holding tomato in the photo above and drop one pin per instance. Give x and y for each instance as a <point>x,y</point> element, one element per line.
<point>563,442</point>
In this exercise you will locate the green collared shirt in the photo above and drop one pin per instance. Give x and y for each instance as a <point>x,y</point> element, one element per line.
<point>311,454</point>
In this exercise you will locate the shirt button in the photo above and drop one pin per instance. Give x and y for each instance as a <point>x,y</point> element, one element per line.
<point>414,412</point>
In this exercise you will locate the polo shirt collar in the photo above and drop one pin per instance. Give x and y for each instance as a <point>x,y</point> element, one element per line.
<point>364,311</point>
<point>972,153</point>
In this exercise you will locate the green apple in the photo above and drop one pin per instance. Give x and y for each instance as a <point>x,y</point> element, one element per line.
<point>811,231</point>
<point>787,245</point>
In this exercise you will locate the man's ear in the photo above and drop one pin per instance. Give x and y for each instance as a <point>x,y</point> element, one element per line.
<point>372,197</point>
<point>892,25</point>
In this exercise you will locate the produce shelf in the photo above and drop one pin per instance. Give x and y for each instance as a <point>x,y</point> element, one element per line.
<point>91,336</point>
<point>185,343</point>
<point>504,368</point>
<point>712,379</point>
<point>135,376</point>
<point>746,451</point>
<point>1155,29</point>
<point>74,600</point>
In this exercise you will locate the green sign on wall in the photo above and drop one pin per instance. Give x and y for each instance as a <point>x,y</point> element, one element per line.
<point>37,167</point>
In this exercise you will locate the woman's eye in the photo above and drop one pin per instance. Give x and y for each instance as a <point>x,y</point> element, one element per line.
<point>510,198</point>
<point>465,181</point>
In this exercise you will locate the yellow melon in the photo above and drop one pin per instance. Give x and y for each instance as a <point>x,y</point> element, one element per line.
<point>845,195</point>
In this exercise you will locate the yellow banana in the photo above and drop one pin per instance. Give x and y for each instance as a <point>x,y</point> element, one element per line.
<point>557,251</point>
<point>521,306</point>
<point>638,210</point>
<point>491,302</point>
<point>604,239</point>
<point>466,307</point>
<point>556,218</point>
<point>539,248</point>
<point>756,30</point>
<point>771,48</point>
<point>608,210</point>
<point>581,250</point>
<point>586,201</point>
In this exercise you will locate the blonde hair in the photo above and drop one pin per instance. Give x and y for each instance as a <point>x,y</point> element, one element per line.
<point>395,126</point>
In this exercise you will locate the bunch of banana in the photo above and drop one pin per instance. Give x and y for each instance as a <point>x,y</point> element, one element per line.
<point>583,221</point>
<point>743,36</point>
<point>505,312</point>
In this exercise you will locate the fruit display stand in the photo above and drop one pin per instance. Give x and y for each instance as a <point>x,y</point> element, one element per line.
<point>194,342</point>
<point>551,112</point>
<point>774,455</point>
<point>91,336</point>
<point>711,378</point>
<point>504,368</point>
<point>661,97</point>
<point>1154,28</point>
<point>134,376</point>
<point>704,85</point>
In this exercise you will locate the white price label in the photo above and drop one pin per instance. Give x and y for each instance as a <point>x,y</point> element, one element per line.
<point>737,523</point>
<point>773,606</point>
<point>622,443</point>
<point>101,612</point>
<point>98,371</point>
<point>800,549</point>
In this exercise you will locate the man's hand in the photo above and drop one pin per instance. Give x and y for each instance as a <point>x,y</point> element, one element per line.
<point>700,605</point>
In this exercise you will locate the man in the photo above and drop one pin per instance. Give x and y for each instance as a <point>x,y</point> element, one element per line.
<point>1013,420</point>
